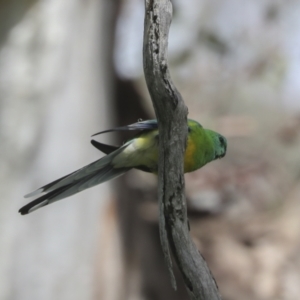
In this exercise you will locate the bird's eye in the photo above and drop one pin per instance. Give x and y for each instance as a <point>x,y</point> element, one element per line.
<point>221,139</point>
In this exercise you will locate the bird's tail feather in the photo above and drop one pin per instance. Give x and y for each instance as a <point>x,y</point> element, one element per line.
<point>77,175</point>
<point>84,178</point>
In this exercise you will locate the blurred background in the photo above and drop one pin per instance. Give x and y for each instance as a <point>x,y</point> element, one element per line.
<point>71,68</point>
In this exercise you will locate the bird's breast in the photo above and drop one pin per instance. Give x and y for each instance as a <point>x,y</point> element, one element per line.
<point>190,163</point>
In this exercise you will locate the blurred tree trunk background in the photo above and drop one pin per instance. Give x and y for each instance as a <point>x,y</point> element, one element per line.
<point>56,90</point>
<point>71,68</point>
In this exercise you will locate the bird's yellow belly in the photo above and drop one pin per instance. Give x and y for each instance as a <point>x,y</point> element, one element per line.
<point>189,157</point>
<point>143,151</point>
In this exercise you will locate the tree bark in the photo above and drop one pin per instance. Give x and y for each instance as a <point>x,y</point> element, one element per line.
<point>171,113</point>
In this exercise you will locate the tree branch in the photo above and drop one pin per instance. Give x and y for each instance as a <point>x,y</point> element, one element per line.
<point>171,113</point>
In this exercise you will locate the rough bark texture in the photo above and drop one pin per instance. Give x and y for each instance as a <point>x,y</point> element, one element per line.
<point>171,113</point>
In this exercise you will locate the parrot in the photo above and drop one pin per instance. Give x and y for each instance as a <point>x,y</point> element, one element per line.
<point>140,152</point>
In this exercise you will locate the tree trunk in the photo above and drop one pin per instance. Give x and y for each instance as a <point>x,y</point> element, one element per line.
<point>55,89</point>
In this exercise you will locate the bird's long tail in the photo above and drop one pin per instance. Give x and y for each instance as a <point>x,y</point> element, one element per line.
<point>95,173</point>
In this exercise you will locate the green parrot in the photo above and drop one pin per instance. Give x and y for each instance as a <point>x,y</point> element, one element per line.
<point>141,152</point>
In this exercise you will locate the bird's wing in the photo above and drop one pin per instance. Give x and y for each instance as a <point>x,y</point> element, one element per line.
<point>107,149</point>
<point>139,126</point>
<point>143,125</point>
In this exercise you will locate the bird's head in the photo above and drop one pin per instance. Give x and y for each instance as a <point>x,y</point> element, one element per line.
<point>220,143</point>
<point>215,144</point>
